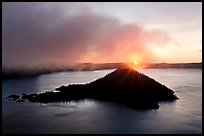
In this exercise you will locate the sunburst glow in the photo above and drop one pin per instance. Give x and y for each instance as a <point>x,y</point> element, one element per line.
<point>135,63</point>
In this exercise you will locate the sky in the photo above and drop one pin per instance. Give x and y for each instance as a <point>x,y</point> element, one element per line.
<point>43,33</point>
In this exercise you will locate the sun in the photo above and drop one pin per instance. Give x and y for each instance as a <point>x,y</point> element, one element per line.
<point>135,62</point>
<point>136,65</point>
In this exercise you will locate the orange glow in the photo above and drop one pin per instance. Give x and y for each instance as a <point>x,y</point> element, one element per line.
<point>138,66</point>
<point>135,63</point>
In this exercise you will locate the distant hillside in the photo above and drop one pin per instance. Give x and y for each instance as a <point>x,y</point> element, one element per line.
<point>175,65</point>
<point>28,72</point>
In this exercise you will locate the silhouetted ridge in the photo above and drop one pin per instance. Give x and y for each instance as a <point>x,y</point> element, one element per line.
<point>125,86</point>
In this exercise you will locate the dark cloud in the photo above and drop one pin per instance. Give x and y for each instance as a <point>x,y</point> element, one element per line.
<point>42,33</point>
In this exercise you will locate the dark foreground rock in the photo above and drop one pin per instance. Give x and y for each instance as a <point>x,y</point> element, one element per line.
<point>13,97</point>
<point>125,86</point>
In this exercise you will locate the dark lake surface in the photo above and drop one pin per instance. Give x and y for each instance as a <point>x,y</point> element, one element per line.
<point>90,116</point>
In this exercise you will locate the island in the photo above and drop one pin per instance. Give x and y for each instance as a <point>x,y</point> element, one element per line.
<point>125,86</point>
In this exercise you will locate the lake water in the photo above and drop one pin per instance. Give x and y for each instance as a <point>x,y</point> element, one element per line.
<point>90,116</point>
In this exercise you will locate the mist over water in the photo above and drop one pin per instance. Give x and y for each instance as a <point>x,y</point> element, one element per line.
<point>90,116</point>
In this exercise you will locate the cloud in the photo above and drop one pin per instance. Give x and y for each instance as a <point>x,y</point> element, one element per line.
<point>41,33</point>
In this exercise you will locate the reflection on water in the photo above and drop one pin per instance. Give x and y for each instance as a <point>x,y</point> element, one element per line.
<point>89,116</point>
